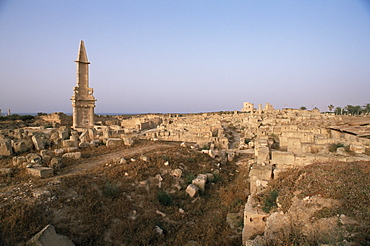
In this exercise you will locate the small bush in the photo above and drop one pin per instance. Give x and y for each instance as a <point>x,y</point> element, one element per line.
<point>189,177</point>
<point>164,198</point>
<point>166,158</point>
<point>247,140</point>
<point>270,201</point>
<point>111,190</point>
<point>205,147</point>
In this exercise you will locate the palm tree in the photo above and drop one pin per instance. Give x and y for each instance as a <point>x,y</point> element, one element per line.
<point>338,110</point>
<point>330,107</point>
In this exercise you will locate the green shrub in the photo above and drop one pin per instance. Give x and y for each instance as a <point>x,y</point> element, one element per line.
<point>247,140</point>
<point>205,147</point>
<point>111,190</point>
<point>164,198</point>
<point>189,177</point>
<point>270,201</point>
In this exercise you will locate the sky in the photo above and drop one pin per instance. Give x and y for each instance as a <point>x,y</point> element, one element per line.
<point>185,55</point>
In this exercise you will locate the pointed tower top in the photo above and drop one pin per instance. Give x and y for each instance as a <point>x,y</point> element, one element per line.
<point>82,57</point>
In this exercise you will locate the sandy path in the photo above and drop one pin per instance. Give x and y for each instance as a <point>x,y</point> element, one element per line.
<point>92,162</point>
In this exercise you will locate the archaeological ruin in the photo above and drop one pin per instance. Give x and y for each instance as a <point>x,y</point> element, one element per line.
<point>262,142</point>
<point>83,100</point>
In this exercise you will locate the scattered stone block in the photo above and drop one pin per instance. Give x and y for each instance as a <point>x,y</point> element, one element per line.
<point>38,142</point>
<point>69,143</point>
<point>200,181</point>
<point>176,173</point>
<point>48,237</point>
<point>210,177</point>
<point>114,142</point>
<point>84,145</point>
<point>33,158</point>
<point>6,147</point>
<point>19,160</point>
<point>128,141</point>
<point>40,172</point>
<point>20,146</point>
<point>56,163</point>
<point>44,153</point>
<point>59,152</point>
<point>192,190</point>
<point>73,155</point>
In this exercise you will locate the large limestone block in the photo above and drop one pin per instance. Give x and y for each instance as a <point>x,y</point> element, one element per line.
<point>114,142</point>
<point>41,172</point>
<point>33,158</point>
<point>6,148</point>
<point>38,142</point>
<point>128,141</point>
<point>282,158</point>
<point>260,172</point>
<point>19,160</point>
<point>254,223</point>
<point>69,143</point>
<point>262,154</point>
<point>21,146</point>
<point>73,155</point>
<point>48,237</point>
<point>294,145</point>
<point>192,190</point>
<point>200,181</point>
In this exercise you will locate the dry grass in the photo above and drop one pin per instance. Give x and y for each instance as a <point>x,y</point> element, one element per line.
<point>106,207</point>
<point>347,182</point>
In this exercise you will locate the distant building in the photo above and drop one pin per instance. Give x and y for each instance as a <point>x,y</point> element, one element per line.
<point>248,107</point>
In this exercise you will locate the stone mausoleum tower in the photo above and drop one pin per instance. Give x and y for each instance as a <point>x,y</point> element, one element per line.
<point>83,100</point>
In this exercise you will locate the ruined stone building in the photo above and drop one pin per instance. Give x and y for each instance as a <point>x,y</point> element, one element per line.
<point>83,100</point>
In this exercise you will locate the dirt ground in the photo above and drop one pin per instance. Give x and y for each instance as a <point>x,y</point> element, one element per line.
<point>102,200</point>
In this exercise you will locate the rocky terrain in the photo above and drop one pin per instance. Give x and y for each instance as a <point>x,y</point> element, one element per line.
<point>272,178</point>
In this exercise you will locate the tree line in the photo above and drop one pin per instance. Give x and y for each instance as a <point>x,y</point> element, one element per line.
<point>351,109</point>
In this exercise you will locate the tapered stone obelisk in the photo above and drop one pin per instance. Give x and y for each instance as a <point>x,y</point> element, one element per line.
<point>83,100</point>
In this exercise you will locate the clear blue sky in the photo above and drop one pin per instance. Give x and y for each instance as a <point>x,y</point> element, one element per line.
<point>185,55</point>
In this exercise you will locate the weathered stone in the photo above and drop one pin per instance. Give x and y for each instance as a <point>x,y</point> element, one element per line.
<point>41,172</point>
<point>144,158</point>
<point>69,143</point>
<point>59,152</point>
<point>21,146</point>
<point>192,190</point>
<point>254,223</point>
<point>114,142</point>
<point>200,181</point>
<point>73,155</point>
<point>128,141</point>
<point>18,160</point>
<point>176,173</point>
<point>38,142</point>
<point>84,145</point>
<point>33,158</point>
<point>263,154</point>
<point>282,158</point>
<point>210,177</point>
<point>56,163</point>
<point>6,147</point>
<point>44,153</point>
<point>48,237</point>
